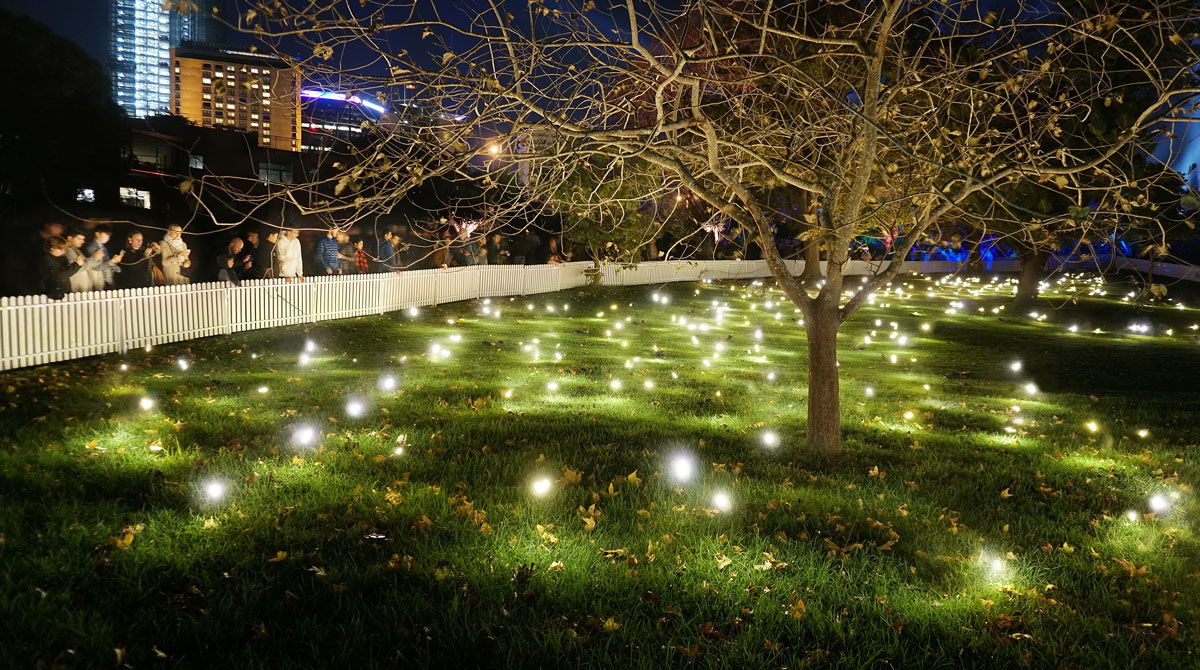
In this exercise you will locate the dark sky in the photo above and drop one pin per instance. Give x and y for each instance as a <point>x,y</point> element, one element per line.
<point>84,22</point>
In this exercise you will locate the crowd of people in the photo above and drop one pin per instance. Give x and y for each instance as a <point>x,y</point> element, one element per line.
<point>78,261</point>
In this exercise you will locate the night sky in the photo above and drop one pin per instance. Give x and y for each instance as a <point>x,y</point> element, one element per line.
<point>84,22</point>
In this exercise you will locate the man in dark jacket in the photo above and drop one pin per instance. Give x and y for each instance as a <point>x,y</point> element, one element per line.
<point>232,264</point>
<point>327,253</point>
<point>264,256</point>
<point>137,263</point>
<point>57,270</point>
<point>387,254</point>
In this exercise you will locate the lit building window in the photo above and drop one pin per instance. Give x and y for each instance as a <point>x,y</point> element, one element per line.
<point>135,198</point>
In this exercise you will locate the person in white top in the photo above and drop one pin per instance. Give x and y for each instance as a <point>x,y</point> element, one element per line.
<point>288,255</point>
<point>175,256</point>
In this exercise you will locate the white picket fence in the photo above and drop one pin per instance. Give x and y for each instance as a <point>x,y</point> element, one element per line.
<point>35,330</point>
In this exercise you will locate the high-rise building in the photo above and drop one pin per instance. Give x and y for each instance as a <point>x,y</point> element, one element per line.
<point>142,34</point>
<point>333,121</point>
<point>222,87</point>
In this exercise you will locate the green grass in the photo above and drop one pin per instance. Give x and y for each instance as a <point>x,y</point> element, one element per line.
<point>939,540</point>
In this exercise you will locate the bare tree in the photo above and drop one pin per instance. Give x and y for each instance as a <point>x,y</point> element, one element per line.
<point>889,116</point>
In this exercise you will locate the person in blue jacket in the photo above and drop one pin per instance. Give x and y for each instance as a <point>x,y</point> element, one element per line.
<point>387,253</point>
<point>327,253</point>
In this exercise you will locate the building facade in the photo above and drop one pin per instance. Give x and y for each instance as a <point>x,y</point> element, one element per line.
<point>141,36</point>
<point>222,87</point>
<point>333,121</point>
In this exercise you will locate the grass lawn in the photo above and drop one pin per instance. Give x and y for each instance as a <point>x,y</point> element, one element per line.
<point>249,519</point>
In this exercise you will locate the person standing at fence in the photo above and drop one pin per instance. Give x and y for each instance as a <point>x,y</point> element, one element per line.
<point>361,264</point>
<point>387,253</point>
<point>232,265</point>
<point>555,255</point>
<point>264,256</point>
<point>252,243</point>
<point>407,253</point>
<point>103,274</point>
<point>137,264</point>
<point>441,250</point>
<point>80,281</point>
<point>289,255</point>
<point>327,253</point>
<point>497,250</point>
<point>176,257</point>
<point>345,252</point>
<point>57,270</point>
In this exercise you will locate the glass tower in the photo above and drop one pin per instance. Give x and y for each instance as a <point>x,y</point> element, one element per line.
<point>142,36</point>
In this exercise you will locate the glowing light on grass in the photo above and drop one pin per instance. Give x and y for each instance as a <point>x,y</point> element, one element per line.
<point>1015,366</point>
<point>124,367</point>
<point>401,440</point>
<point>355,408</point>
<point>387,383</point>
<point>908,416</point>
<point>310,346</point>
<point>304,436</point>
<point>214,490</point>
<point>540,487</point>
<point>304,359</point>
<point>770,439</point>
<point>1031,388</point>
<point>508,393</point>
<point>1142,432</point>
<point>721,501</point>
<point>263,389</point>
<point>869,392</point>
<point>552,386</point>
<point>146,403</point>
<point>1132,515</point>
<point>413,312</point>
<point>615,385</point>
<point>648,384</point>
<point>183,364</point>
<point>1159,503</point>
<point>682,467</point>
<point>1092,426</point>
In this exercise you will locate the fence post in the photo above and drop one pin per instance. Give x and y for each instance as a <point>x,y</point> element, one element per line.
<point>121,325</point>
<point>312,300</point>
<point>227,311</point>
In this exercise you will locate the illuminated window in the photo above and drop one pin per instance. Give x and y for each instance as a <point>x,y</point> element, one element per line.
<point>135,198</point>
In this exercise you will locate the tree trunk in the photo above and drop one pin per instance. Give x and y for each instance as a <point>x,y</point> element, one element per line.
<point>812,246</point>
<point>824,438</point>
<point>1033,267</point>
<point>812,261</point>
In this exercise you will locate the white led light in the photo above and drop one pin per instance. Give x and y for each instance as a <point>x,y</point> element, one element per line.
<point>387,383</point>
<point>146,403</point>
<point>552,386</point>
<point>540,487</point>
<point>722,502</point>
<point>214,490</point>
<point>1159,503</point>
<point>262,389</point>
<point>183,364</point>
<point>770,439</point>
<point>683,468</point>
<point>355,408</point>
<point>304,436</point>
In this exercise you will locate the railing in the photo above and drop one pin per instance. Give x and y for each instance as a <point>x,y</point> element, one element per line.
<point>35,330</point>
